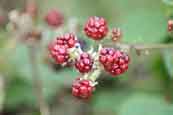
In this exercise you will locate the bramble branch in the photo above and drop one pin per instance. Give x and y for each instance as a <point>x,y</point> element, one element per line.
<point>140,46</point>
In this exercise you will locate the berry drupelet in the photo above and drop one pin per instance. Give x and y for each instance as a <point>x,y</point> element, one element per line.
<point>54,18</point>
<point>114,61</point>
<point>82,89</point>
<point>84,63</point>
<point>96,28</point>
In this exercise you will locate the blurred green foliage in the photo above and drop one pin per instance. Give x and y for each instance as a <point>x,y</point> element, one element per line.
<point>142,90</point>
<point>141,21</point>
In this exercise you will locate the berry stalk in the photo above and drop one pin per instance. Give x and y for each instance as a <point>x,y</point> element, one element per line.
<point>95,74</point>
<point>37,83</point>
<point>138,46</point>
<point>151,46</point>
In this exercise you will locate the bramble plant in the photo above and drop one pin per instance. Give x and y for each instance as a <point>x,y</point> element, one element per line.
<point>66,49</point>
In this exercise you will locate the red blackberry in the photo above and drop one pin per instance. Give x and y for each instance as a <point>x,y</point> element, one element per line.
<point>68,40</point>
<point>59,53</point>
<point>116,34</point>
<point>84,63</point>
<point>54,18</point>
<point>114,61</point>
<point>2,20</point>
<point>96,28</point>
<point>82,89</point>
<point>170,25</point>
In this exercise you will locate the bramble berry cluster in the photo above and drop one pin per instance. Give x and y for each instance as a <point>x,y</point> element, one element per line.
<point>82,88</point>
<point>59,53</point>
<point>54,18</point>
<point>84,63</point>
<point>114,61</point>
<point>66,49</point>
<point>59,49</point>
<point>96,28</point>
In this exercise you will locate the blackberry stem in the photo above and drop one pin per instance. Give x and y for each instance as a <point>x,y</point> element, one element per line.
<point>151,46</point>
<point>140,47</point>
<point>37,83</point>
<point>95,74</point>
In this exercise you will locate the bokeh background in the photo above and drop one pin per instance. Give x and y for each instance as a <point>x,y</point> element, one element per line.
<point>146,89</point>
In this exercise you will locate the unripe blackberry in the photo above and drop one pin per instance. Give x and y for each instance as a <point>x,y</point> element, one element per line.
<point>54,18</point>
<point>170,25</point>
<point>82,89</point>
<point>68,40</point>
<point>96,28</point>
<point>116,34</point>
<point>59,53</point>
<point>114,61</point>
<point>2,20</point>
<point>84,63</point>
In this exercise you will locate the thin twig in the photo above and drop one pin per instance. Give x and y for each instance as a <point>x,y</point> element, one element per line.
<point>38,89</point>
<point>151,46</point>
<point>139,46</point>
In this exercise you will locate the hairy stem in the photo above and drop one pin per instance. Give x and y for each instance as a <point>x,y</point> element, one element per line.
<point>151,46</point>
<point>138,46</point>
<point>95,74</point>
<point>37,83</point>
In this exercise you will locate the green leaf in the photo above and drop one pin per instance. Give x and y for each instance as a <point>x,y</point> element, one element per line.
<point>145,104</point>
<point>141,21</point>
<point>52,81</point>
<point>131,102</point>
<point>168,61</point>
<point>141,83</point>
<point>18,92</point>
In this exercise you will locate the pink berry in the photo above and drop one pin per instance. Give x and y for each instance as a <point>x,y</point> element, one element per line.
<point>114,61</point>
<point>82,89</point>
<point>2,20</point>
<point>59,53</point>
<point>170,25</point>
<point>96,28</point>
<point>84,63</point>
<point>68,40</point>
<point>54,18</point>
